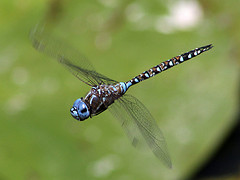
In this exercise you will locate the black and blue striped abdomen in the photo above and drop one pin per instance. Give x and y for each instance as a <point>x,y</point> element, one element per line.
<point>167,65</point>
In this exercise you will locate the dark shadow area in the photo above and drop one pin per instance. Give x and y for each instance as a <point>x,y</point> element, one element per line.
<point>226,161</point>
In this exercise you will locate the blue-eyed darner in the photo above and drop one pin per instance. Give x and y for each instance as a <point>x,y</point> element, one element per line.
<point>107,93</point>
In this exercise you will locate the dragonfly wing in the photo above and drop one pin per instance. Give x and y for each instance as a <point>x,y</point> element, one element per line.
<point>118,110</point>
<point>136,119</point>
<point>74,61</point>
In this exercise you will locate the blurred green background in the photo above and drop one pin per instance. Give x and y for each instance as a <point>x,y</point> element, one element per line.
<point>195,104</point>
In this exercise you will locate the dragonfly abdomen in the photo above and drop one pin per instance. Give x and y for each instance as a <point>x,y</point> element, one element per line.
<point>167,65</point>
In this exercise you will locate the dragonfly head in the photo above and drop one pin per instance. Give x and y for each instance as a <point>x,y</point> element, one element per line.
<point>80,110</point>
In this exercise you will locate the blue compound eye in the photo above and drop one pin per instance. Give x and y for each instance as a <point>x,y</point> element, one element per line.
<point>80,110</point>
<point>84,110</point>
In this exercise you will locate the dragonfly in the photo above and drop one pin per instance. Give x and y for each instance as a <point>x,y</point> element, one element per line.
<point>106,93</point>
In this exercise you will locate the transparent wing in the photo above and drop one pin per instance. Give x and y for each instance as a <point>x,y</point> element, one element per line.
<point>118,109</point>
<point>137,121</point>
<point>74,61</point>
